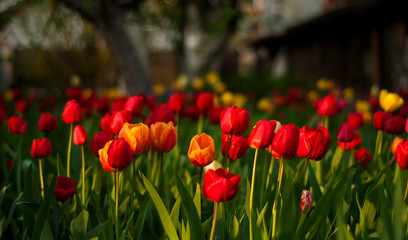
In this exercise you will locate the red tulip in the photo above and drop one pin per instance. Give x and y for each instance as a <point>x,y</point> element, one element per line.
<point>327,106</point>
<point>401,155</point>
<point>313,144</point>
<point>47,122</point>
<point>80,136</point>
<point>99,141</point>
<point>117,120</point>
<point>177,102</point>
<point>64,189</point>
<point>74,93</point>
<point>362,154</point>
<point>285,142</point>
<point>238,146</point>
<point>306,201</point>
<point>17,125</point>
<point>134,105</point>
<point>204,102</point>
<point>345,133</point>
<point>394,125</point>
<point>214,115</point>
<point>119,154</point>
<point>72,113</point>
<point>356,120</point>
<point>262,134</point>
<point>118,105</point>
<point>350,145</point>
<point>41,148</point>
<point>105,122</point>
<point>3,113</point>
<point>380,118</point>
<point>235,121</point>
<point>192,112</point>
<point>161,114</point>
<point>21,106</point>
<point>220,186</point>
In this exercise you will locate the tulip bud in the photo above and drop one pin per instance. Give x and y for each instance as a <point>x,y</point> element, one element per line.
<point>80,136</point>
<point>17,125</point>
<point>313,144</point>
<point>161,114</point>
<point>177,102</point>
<point>235,121</point>
<point>220,186</point>
<point>285,142</point>
<point>327,106</point>
<point>21,106</point>
<point>118,105</point>
<point>134,105</point>
<point>306,202</point>
<point>72,113</point>
<point>41,148</point>
<point>394,144</point>
<point>350,145</point>
<point>390,101</point>
<point>117,120</point>
<point>238,146</point>
<point>204,102</point>
<point>262,134</point>
<point>356,120</point>
<point>214,115</point>
<point>137,135</point>
<point>380,118</point>
<point>345,133</point>
<point>362,154</point>
<point>394,125</point>
<point>47,123</point>
<point>202,150</point>
<point>64,189</point>
<point>163,137</point>
<point>99,141</point>
<point>119,154</point>
<point>401,155</point>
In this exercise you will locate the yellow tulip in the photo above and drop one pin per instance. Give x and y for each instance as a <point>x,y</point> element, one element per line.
<point>390,101</point>
<point>362,106</point>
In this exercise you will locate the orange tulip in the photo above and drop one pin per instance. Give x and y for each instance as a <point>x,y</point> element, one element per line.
<point>202,150</point>
<point>394,144</point>
<point>137,135</point>
<point>163,136</point>
<point>103,157</point>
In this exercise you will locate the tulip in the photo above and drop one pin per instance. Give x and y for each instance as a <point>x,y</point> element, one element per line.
<point>99,141</point>
<point>74,93</point>
<point>362,154</point>
<point>103,158</point>
<point>285,142</point>
<point>118,105</point>
<point>214,115</point>
<point>105,122</point>
<point>262,134</point>
<point>205,102</point>
<point>347,146</point>
<point>394,144</point>
<point>356,120</point>
<point>80,136</point>
<point>345,133</point>
<point>21,106</point>
<point>47,122</point>
<point>192,112</point>
<point>235,121</point>
<point>119,154</point>
<point>390,101</point>
<point>327,106</point>
<point>134,105</point>
<point>161,114</point>
<point>401,155</point>
<point>117,120</point>
<point>137,135</point>
<point>64,189</point>
<point>305,202</point>
<point>395,125</point>
<point>177,102</point>
<point>313,144</point>
<point>17,125</point>
<point>238,146</point>
<point>72,113</point>
<point>163,137</point>
<point>41,148</point>
<point>380,118</point>
<point>202,150</point>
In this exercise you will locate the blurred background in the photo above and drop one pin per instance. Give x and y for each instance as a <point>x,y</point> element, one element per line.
<point>148,45</point>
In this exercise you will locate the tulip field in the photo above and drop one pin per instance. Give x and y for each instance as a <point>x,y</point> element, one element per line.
<point>194,164</point>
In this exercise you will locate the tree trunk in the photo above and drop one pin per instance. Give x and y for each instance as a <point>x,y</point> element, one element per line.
<point>125,55</point>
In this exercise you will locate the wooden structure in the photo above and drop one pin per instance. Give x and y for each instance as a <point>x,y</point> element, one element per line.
<point>357,45</point>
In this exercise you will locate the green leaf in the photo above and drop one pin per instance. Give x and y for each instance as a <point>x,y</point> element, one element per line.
<point>44,209</point>
<point>128,225</point>
<point>175,212</point>
<point>5,224</point>
<point>197,200</point>
<point>80,224</point>
<point>190,210</point>
<point>161,209</point>
<point>46,232</point>
<point>141,218</point>
<point>234,227</point>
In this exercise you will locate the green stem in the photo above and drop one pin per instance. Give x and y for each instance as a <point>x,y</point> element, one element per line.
<point>69,149</point>
<point>270,172</point>
<point>200,124</point>
<point>251,198</point>
<point>381,140</point>
<point>83,175</point>
<point>326,122</point>
<point>201,174</point>
<point>177,119</point>
<point>214,220</point>
<point>277,197</point>
<point>227,153</point>
<point>133,174</point>
<point>304,168</point>
<point>19,162</point>
<point>280,174</point>
<point>406,191</point>
<point>117,204</point>
<point>41,177</point>
<point>164,180</point>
